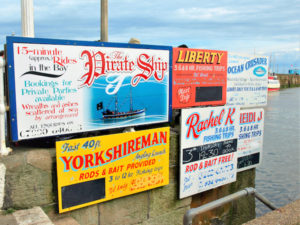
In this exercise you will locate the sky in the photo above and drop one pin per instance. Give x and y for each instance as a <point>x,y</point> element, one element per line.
<point>260,27</point>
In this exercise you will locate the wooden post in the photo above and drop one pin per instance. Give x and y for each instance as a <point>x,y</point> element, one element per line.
<point>27,18</point>
<point>104,21</point>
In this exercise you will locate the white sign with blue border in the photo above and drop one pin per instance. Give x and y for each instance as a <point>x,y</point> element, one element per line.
<point>61,87</point>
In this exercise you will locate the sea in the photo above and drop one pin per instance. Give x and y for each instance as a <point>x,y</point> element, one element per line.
<point>278,177</point>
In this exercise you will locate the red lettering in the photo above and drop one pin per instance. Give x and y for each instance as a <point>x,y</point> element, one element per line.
<point>117,153</point>
<point>137,143</point>
<point>211,120</point>
<point>88,160</point>
<point>216,121</point>
<point>81,177</point>
<point>206,125</point>
<point>125,148</point>
<point>191,168</point>
<point>145,66</point>
<point>56,60</point>
<point>260,117</point>
<point>230,114</point>
<point>221,116</point>
<point>192,124</point>
<point>247,117</point>
<point>146,142</point>
<point>130,146</point>
<point>154,140</point>
<point>187,169</point>
<point>149,67</point>
<point>99,156</point>
<point>77,164</point>
<point>163,137</point>
<point>194,121</point>
<point>67,162</point>
<point>201,126</point>
<point>109,154</point>
<point>94,62</point>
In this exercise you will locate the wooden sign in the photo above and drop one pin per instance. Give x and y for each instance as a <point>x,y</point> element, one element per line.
<point>97,169</point>
<point>199,77</point>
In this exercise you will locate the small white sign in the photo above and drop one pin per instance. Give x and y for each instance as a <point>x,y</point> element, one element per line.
<point>247,80</point>
<point>250,141</point>
<point>208,148</point>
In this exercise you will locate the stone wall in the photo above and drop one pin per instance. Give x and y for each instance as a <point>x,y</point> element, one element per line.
<point>30,180</point>
<point>288,80</point>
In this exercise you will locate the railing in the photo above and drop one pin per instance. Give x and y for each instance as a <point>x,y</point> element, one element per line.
<point>191,213</point>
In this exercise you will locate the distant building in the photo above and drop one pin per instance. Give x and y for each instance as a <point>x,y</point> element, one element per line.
<point>294,71</point>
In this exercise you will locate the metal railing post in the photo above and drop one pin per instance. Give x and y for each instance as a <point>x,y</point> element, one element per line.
<point>265,201</point>
<point>191,213</point>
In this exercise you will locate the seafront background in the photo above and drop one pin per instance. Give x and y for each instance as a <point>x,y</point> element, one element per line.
<point>30,181</point>
<point>278,177</point>
<point>288,80</point>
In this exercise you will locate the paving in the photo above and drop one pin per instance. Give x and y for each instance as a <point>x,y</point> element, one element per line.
<point>287,215</point>
<point>33,216</point>
<point>8,219</point>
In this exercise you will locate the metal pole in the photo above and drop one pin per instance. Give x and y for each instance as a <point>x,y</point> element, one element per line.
<point>104,21</point>
<point>191,213</point>
<point>265,201</point>
<point>27,18</point>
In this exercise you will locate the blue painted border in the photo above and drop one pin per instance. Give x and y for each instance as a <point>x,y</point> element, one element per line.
<point>14,39</point>
<point>10,40</point>
<point>170,83</point>
<point>12,88</point>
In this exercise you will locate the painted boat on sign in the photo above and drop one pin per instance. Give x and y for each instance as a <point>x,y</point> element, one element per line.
<point>122,115</point>
<point>116,114</point>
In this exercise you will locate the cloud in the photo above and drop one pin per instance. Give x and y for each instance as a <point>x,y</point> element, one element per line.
<point>266,26</point>
<point>204,14</point>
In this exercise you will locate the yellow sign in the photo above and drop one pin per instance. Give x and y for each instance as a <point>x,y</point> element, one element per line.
<point>96,169</point>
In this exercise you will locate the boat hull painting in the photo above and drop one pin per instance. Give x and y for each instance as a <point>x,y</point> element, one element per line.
<point>125,115</point>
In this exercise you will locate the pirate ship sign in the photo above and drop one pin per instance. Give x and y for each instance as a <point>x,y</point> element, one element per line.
<point>119,73</point>
<point>61,87</point>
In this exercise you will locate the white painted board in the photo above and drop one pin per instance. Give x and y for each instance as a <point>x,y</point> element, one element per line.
<point>250,141</point>
<point>208,148</point>
<point>247,80</point>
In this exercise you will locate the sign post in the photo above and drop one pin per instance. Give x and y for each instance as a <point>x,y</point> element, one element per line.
<point>104,20</point>
<point>27,18</point>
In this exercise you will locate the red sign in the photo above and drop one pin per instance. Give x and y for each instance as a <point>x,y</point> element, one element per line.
<point>199,77</point>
